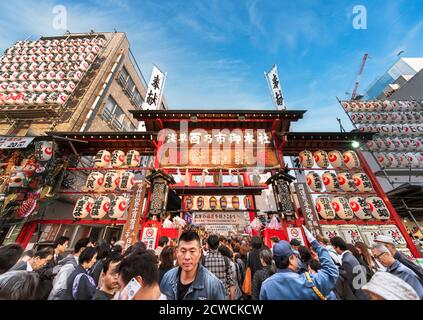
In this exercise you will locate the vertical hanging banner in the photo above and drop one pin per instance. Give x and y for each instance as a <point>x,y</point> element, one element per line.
<point>154,93</point>
<point>275,88</point>
<point>132,225</point>
<point>311,219</point>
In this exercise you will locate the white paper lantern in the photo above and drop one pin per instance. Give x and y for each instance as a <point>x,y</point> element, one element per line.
<point>44,150</point>
<point>346,182</point>
<point>314,181</point>
<point>83,207</point>
<point>324,208</point>
<point>360,208</point>
<point>127,181</point>
<point>133,158</point>
<point>383,160</point>
<point>403,160</point>
<point>118,207</point>
<point>101,207</point>
<point>321,158</point>
<point>412,159</point>
<point>371,144</point>
<point>111,180</point>
<point>399,146</point>
<point>117,159</point>
<point>94,182</point>
<point>83,66</point>
<point>369,117</point>
<point>330,181</point>
<point>378,208</point>
<point>351,159</point>
<point>362,182</point>
<point>336,159</point>
<point>102,159</point>
<point>342,208</point>
<point>306,159</point>
<point>390,145</point>
<point>393,160</point>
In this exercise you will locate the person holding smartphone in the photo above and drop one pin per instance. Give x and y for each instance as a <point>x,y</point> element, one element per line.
<point>190,280</point>
<point>138,276</point>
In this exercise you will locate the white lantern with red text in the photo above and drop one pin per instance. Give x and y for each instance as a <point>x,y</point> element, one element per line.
<point>127,181</point>
<point>324,208</point>
<point>342,208</point>
<point>351,159</point>
<point>360,208</point>
<point>321,158</point>
<point>118,207</point>
<point>94,182</point>
<point>314,181</point>
<point>101,207</point>
<point>330,181</point>
<point>102,159</point>
<point>306,159</point>
<point>111,180</point>
<point>383,160</point>
<point>362,182</point>
<point>412,159</point>
<point>346,182</point>
<point>44,150</point>
<point>403,160</point>
<point>335,159</point>
<point>83,207</point>
<point>378,208</point>
<point>117,159</point>
<point>133,158</point>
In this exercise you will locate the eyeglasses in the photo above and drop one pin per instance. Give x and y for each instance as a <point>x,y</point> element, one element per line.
<point>379,255</point>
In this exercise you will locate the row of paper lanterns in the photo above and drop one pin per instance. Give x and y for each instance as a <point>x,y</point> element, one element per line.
<point>38,86</point>
<point>387,117</point>
<point>42,76</point>
<point>323,159</point>
<point>371,106</point>
<point>61,43</point>
<point>393,129</point>
<point>362,233</point>
<point>400,160</point>
<point>98,182</point>
<point>115,207</point>
<point>48,65</point>
<point>395,144</point>
<point>346,209</point>
<point>117,159</point>
<point>217,202</point>
<point>344,181</point>
<point>33,98</point>
<point>43,51</point>
<point>25,62</point>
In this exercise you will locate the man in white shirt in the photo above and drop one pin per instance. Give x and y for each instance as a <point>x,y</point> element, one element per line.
<point>39,260</point>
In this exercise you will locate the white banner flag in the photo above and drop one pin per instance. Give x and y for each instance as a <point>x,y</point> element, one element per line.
<point>275,88</point>
<point>155,90</point>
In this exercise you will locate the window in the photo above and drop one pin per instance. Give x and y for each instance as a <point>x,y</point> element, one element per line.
<point>131,85</point>
<point>124,75</point>
<point>114,113</point>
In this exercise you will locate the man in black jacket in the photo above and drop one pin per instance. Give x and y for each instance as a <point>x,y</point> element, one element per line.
<point>390,245</point>
<point>354,271</point>
<point>109,278</point>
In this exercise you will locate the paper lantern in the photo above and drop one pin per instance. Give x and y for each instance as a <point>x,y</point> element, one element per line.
<point>314,182</point>
<point>102,159</point>
<point>399,146</point>
<point>342,208</point>
<point>306,159</point>
<point>378,208</point>
<point>371,144</point>
<point>133,158</point>
<point>351,159</point>
<point>83,207</point>
<point>412,159</point>
<point>335,159</point>
<point>420,159</point>
<point>393,160</point>
<point>403,160</point>
<point>346,182</point>
<point>369,118</point>
<point>189,202</point>
<point>321,158</point>
<point>83,66</point>
<point>417,117</point>
<point>383,160</point>
<point>118,207</point>
<point>350,233</point>
<point>44,150</point>
<point>118,159</point>
<point>127,181</point>
<point>324,208</point>
<point>360,208</point>
<point>95,181</point>
<point>213,203</point>
<point>235,202</point>
<point>223,202</point>
<point>247,202</point>
<point>111,180</point>
<point>200,203</point>
<point>362,182</point>
<point>101,207</point>
<point>330,181</point>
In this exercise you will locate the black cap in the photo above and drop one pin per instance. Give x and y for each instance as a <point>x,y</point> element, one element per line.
<point>295,242</point>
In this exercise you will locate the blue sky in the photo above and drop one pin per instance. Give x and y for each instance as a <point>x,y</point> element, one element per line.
<point>215,52</point>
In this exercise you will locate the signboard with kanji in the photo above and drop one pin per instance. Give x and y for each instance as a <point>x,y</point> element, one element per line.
<point>15,142</point>
<point>149,236</point>
<point>307,207</point>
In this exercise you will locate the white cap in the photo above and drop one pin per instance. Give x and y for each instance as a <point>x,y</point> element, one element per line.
<point>390,287</point>
<point>384,239</point>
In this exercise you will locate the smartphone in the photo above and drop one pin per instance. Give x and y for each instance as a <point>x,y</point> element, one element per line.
<point>131,289</point>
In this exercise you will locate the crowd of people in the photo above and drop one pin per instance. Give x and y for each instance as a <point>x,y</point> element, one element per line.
<point>211,267</point>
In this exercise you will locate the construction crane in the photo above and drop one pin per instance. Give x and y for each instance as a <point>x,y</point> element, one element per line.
<point>357,80</point>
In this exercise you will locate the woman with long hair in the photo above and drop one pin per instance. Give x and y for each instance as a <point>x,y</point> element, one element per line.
<point>167,261</point>
<point>364,252</point>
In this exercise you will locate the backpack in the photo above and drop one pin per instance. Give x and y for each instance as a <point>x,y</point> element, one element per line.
<point>59,282</point>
